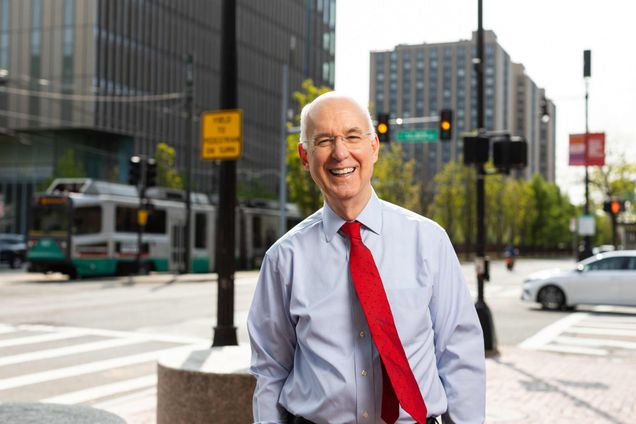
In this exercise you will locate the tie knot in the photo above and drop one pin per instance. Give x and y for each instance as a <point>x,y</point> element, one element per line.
<point>352,230</point>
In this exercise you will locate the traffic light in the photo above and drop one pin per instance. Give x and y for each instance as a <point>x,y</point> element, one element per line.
<point>614,207</point>
<point>446,125</point>
<point>134,171</point>
<point>509,153</point>
<point>382,128</point>
<point>476,150</point>
<point>151,172</point>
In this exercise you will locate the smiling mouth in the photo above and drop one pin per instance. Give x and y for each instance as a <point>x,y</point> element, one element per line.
<point>342,171</point>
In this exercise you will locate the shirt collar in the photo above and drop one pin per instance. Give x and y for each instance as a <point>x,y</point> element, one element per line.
<point>370,217</point>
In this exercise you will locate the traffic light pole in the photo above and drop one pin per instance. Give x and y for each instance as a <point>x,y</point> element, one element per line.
<point>189,78</point>
<point>587,241</point>
<point>141,188</point>
<point>483,312</point>
<point>225,331</point>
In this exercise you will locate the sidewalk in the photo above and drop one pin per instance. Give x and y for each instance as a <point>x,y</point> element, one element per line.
<point>529,386</point>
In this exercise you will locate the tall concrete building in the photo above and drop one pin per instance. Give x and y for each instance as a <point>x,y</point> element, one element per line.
<point>420,80</point>
<point>95,81</point>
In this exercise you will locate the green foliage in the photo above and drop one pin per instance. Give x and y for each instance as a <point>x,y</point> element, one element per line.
<point>302,189</point>
<point>394,179</point>
<point>254,189</point>
<point>66,167</point>
<point>452,205</point>
<point>529,213</point>
<point>167,174</point>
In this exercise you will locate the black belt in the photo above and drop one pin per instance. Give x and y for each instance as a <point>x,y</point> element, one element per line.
<point>295,419</point>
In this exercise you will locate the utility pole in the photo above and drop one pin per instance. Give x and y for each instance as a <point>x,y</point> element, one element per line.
<point>225,331</point>
<point>481,262</point>
<point>189,79</point>
<point>587,73</point>
<point>282,180</point>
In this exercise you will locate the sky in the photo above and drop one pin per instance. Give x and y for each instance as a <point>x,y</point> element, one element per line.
<point>546,36</point>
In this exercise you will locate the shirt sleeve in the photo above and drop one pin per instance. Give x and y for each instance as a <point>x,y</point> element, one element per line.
<point>459,343</point>
<point>273,342</point>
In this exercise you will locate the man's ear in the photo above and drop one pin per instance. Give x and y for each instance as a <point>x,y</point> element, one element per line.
<point>303,156</point>
<point>375,148</point>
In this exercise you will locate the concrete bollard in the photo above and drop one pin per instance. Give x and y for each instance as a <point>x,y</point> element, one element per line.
<point>205,386</point>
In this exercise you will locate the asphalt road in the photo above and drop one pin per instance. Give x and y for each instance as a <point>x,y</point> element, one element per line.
<point>185,305</point>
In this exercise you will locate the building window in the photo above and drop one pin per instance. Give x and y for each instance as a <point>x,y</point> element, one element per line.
<point>4,34</point>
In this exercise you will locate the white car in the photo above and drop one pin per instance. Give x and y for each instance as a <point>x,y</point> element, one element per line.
<point>605,279</point>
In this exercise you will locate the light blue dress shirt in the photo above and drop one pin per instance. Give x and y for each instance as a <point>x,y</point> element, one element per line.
<point>312,352</point>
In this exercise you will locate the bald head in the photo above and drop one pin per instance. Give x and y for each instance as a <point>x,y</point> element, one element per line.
<point>326,100</point>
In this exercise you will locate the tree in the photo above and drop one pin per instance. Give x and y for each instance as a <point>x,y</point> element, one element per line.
<point>450,200</point>
<point>302,189</point>
<point>167,174</point>
<point>394,179</point>
<point>66,167</point>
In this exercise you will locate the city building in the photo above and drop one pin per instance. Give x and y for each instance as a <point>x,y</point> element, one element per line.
<point>88,83</point>
<point>420,80</point>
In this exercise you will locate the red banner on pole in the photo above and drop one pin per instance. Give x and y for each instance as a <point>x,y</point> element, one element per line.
<point>593,155</point>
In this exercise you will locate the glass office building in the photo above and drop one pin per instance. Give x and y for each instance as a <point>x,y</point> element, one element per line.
<point>90,82</point>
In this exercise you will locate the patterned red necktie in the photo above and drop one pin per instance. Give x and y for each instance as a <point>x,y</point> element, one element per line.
<point>377,310</point>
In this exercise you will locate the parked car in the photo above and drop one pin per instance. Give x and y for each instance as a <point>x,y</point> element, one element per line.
<point>604,279</point>
<point>12,249</point>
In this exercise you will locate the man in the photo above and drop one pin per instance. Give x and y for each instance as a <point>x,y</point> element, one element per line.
<point>327,347</point>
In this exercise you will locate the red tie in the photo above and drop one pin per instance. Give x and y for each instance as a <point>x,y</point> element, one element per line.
<point>377,310</point>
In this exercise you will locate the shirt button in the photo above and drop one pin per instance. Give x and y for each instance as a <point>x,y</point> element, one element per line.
<point>362,334</point>
<point>364,373</point>
<point>365,414</point>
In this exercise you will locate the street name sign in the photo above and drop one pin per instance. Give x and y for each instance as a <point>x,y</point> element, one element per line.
<point>222,134</point>
<point>417,136</point>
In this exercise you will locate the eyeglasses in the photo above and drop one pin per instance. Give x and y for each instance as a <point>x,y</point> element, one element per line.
<point>351,140</point>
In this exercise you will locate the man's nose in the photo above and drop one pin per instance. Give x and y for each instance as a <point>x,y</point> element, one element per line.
<point>339,150</point>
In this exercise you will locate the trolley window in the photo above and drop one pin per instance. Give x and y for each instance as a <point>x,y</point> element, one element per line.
<point>49,217</point>
<point>200,231</point>
<point>126,221</point>
<point>87,220</point>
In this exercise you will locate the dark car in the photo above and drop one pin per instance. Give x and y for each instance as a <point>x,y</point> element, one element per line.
<point>12,249</point>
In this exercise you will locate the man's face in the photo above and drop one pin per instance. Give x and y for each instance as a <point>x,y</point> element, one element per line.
<point>343,167</point>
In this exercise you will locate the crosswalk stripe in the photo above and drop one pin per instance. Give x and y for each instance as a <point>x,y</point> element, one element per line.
<point>63,351</point>
<point>584,341</point>
<point>114,333</point>
<point>574,349</point>
<point>608,324</point>
<point>103,390</point>
<point>39,338</point>
<point>600,331</point>
<point>56,374</point>
<point>548,333</point>
<point>5,329</point>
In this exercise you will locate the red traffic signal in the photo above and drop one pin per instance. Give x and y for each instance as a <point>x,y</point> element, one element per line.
<point>614,207</point>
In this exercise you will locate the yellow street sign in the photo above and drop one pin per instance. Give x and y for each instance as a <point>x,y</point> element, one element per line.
<point>222,134</point>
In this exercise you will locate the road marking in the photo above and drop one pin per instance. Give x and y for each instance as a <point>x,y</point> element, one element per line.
<point>63,351</point>
<point>4,329</point>
<point>601,331</point>
<point>104,390</point>
<point>547,334</point>
<point>131,403</point>
<point>114,333</point>
<point>609,324</point>
<point>56,374</point>
<point>573,349</point>
<point>40,338</point>
<point>584,341</point>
